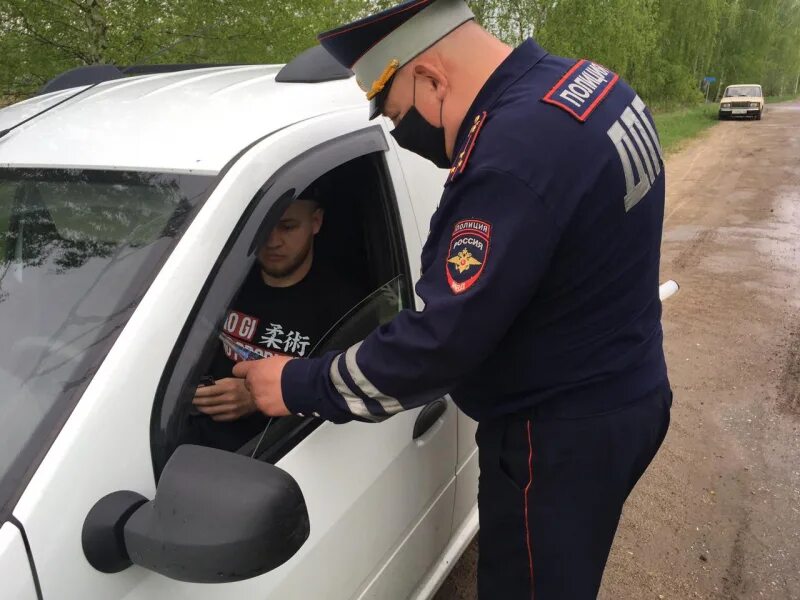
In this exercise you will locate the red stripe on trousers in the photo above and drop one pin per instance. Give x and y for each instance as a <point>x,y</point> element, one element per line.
<point>527,490</point>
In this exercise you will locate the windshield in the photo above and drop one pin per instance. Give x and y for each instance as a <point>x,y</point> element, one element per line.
<point>78,250</point>
<point>744,90</point>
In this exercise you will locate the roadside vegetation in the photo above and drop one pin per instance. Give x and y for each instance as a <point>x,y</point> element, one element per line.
<point>677,126</point>
<point>680,125</point>
<point>785,98</point>
<point>665,48</point>
<point>674,52</point>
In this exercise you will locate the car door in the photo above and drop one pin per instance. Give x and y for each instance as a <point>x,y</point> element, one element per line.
<point>15,571</point>
<point>421,187</point>
<point>380,502</point>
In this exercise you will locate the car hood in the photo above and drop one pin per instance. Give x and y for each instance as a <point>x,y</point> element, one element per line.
<point>742,99</point>
<point>192,121</point>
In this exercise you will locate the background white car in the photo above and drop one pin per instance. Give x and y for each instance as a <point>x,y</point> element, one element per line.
<point>742,101</point>
<point>129,215</point>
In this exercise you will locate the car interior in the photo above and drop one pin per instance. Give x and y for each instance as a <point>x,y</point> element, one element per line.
<point>362,242</point>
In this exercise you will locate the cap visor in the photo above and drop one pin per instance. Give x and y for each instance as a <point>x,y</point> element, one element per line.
<point>378,102</point>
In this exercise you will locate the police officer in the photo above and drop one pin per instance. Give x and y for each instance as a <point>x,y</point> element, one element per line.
<point>540,283</point>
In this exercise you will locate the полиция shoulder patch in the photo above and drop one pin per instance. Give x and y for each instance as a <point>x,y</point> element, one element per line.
<point>582,89</point>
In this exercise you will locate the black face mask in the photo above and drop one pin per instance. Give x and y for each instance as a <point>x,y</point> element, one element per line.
<point>416,135</point>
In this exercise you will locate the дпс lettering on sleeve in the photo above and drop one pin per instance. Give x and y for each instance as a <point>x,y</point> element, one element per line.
<point>490,244</point>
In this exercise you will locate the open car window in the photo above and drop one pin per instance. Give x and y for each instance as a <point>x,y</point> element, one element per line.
<point>362,240</point>
<point>376,309</point>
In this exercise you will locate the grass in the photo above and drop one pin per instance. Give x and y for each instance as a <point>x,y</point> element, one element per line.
<point>786,98</point>
<point>678,126</point>
<point>675,127</point>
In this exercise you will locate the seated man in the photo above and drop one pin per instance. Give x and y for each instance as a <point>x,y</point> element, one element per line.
<point>288,302</point>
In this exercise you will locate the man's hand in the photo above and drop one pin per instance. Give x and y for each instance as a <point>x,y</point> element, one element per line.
<point>227,400</point>
<point>263,379</point>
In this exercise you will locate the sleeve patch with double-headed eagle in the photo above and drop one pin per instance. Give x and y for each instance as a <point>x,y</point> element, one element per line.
<point>469,251</point>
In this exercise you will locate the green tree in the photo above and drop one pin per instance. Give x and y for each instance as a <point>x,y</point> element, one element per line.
<point>40,38</point>
<point>664,48</point>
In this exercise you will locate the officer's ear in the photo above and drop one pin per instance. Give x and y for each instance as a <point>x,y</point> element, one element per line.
<point>430,72</point>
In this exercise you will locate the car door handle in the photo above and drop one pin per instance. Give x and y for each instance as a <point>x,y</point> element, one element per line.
<point>428,417</point>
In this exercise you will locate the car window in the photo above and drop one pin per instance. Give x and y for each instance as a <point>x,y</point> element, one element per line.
<point>376,309</point>
<point>79,250</point>
<point>361,243</point>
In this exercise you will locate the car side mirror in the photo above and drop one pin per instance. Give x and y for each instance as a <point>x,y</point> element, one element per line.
<point>216,517</point>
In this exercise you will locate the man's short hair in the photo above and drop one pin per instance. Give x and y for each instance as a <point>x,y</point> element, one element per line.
<point>317,192</point>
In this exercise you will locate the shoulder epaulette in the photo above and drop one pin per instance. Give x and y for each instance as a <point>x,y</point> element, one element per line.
<point>462,158</point>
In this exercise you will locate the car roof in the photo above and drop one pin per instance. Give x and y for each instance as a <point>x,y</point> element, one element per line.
<point>745,85</point>
<point>192,121</point>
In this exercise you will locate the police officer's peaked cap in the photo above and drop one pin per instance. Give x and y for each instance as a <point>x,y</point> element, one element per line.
<point>376,47</point>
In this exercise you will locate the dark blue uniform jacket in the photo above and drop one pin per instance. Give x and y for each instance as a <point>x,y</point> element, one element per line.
<point>541,272</point>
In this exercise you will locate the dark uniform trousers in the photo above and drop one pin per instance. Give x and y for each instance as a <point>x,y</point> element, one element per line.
<point>551,492</point>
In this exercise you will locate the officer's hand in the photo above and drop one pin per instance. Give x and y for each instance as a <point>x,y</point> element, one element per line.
<point>227,400</point>
<point>263,379</point>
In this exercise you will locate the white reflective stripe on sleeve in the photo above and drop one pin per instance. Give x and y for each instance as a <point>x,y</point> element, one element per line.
<point>391,405</point>
<point>354,403</point>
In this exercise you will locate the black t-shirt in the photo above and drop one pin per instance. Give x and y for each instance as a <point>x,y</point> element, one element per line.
<point>274,321</point>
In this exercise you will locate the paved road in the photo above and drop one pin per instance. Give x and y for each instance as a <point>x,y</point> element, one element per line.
<point>717,516</point>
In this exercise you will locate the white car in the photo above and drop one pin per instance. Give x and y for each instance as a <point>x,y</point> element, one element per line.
<point>130,211</point>
<point>742,101</point>
<point>129,214</point>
